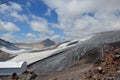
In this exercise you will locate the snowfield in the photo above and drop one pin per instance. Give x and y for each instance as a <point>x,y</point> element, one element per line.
<point>31,57</point>
<point>36,56</point>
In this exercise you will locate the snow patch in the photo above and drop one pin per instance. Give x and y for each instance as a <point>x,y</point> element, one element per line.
<point>4,49</point>
<point>87,38</point>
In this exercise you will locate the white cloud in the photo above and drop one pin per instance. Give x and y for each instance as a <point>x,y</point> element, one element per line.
<point>20,17</point>
<point>9,8</point>
<point>40,25</point>
<point>13,11</point>
<point>76,23</point>
<point>57,38</point>
<point>15,6</point>
<point>48,13</point>
<point>3,8</point>
<point>8,37</point>
<point>30,35</point>
<point>8,26</point>
<point>32,38</point>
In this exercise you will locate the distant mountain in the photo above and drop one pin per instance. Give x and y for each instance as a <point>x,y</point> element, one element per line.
<point>47,43</point>
<point>7,44</point>
<point>9,47</point>
<point>39,45</point>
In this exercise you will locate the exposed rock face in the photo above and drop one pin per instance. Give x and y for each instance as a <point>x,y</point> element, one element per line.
<point>5,56</point>
<point>63,59</point>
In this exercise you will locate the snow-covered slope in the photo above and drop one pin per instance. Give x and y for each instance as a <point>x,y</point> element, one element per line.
<point>9,47</point>
<point>12,51</point>
<point>32,57</point>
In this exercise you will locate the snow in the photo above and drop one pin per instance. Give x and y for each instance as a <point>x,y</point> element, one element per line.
<point>11,64</point>
<point>35,56</point>
<point>86,38</point>
<point>66,44</point>
<point>63,45</point>
<point>12,51</point>
<point>79,41</point>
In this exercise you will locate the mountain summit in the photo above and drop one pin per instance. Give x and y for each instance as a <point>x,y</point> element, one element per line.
<point>47,42</point>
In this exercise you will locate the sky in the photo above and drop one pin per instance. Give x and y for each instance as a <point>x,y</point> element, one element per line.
<point>31,21</point>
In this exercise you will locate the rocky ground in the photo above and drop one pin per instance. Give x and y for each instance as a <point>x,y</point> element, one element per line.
<point>68,74</point>
<point>107,68</point>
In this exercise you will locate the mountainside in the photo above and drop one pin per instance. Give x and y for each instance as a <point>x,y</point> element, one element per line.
<point>105,37</point>
<point>47,43</point>
<point>65,58</point>
<point>7,44</point>
<point>5,56</point>
<point>9,47</point>
<point>4,47</point>
<point>62,55</point>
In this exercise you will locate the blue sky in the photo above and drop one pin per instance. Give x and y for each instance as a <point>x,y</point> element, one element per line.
<point>35,20</point>
<point>29,8</point>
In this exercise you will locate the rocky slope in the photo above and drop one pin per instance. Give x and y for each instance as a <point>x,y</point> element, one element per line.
<point>5,56</point>
<point>8,45</point>
<point>47,43</point>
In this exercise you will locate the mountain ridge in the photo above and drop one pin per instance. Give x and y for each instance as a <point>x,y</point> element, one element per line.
<point>39,45</point>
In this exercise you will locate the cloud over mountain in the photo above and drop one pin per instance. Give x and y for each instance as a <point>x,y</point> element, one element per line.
<point>79,18</point>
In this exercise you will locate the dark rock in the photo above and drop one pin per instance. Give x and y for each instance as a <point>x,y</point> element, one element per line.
<point>47,43</point>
